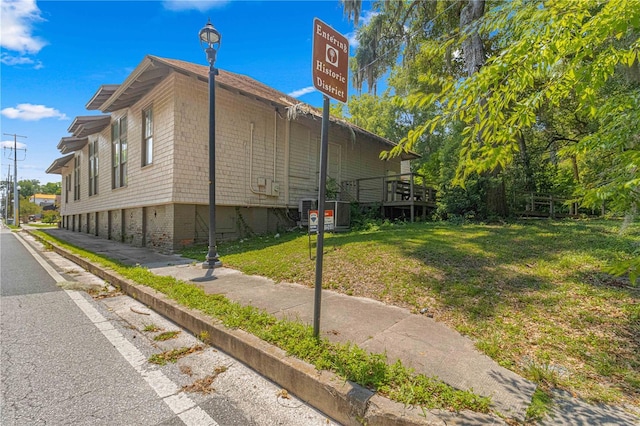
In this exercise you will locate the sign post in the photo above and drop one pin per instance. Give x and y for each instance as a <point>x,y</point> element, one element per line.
<point>330,76</point>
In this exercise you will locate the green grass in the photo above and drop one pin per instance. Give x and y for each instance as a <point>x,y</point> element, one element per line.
<point>533,295</point>
<point>349,361</point>
<point>166,336</point>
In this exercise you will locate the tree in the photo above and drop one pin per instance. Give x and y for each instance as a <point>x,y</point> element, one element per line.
<point>402,29</point>
<point>29,187</point>
<point>27,208</point>
<point>578,49</point>
<point>51,188</point>
<point>585,61</point>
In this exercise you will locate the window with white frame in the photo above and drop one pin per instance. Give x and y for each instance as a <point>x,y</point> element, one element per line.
<point>119,152</point>
<point>147,136</point>
<point>93,167</point>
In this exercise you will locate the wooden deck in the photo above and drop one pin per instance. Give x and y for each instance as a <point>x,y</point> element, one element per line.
<point>403,195</point>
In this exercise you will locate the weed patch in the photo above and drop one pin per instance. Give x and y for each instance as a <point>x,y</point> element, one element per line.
<point>166,335</point>
<point>151,328</point>
<point>173,355</point>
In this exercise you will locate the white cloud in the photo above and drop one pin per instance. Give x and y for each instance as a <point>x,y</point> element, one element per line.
<point>18,17</point>
<point>201,5</point>
<point>30,112</point>
<point>12,60</point>
<point>10,145</point>
<point>303,91</point>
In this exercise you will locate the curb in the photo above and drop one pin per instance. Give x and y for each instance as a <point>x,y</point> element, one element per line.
<point>342,400</point>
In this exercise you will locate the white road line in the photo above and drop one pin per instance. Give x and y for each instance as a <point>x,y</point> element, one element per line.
<point>178,402</point>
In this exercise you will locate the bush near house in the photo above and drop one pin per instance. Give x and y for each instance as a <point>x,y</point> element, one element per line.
<point>50,216</point>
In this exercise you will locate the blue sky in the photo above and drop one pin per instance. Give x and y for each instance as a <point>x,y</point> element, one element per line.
<point>56,54</point>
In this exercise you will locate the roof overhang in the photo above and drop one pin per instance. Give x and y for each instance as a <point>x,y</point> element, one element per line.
<point>58,164</point>
<point>139,83</point>
<point>154,69</point>
<point>88,125</point>
<point>71,144</point>
<point>104,92</point>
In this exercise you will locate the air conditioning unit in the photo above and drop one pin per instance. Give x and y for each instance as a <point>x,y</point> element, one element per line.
<point>304,206</point>
<point>341,214</point>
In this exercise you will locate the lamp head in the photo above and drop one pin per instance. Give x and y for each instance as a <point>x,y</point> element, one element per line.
<point>209,37</point>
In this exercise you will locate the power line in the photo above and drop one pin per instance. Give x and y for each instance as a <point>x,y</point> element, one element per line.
<point>16,201</point>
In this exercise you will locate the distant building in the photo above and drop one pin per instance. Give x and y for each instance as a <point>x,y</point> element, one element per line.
<point>44,200</point>
<point>139,172</point>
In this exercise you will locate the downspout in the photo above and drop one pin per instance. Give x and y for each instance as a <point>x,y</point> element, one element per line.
<point>287,164</point>
<point>275,143</point>
<point>251,162</point>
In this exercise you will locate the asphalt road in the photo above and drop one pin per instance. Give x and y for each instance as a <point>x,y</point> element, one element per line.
<point>69,359</point>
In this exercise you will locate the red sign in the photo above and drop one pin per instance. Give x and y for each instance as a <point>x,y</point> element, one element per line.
<point>330,61</point>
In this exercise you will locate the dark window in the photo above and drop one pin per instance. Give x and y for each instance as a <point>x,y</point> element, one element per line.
<point>119,152</point>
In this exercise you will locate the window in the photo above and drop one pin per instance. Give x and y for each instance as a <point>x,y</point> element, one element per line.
<point>119,152</point>
<point>93,168</point>
<point>67,187</point>
<point>76,178</point>
<point>147,137</point>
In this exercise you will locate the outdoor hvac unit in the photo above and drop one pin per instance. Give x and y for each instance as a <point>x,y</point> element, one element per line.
<point>341,214</point>
<point>305,205</point>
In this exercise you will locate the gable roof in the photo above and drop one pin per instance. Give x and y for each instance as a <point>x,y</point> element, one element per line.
<point>153,69</point>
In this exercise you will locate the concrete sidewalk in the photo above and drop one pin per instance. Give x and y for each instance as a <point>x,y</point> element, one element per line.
<point>418,341</point>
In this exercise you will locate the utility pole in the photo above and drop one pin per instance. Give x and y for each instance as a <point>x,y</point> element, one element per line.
<point>16,201</point>
<point>6,194</point>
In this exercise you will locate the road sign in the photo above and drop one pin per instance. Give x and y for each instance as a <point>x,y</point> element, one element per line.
<point>330,61</point>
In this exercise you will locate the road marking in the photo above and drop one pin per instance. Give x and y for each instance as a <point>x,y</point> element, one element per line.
<point>178,402</point>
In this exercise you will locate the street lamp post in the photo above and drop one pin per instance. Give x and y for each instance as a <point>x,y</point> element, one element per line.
<point>17,207</point>
<point>210,41</point>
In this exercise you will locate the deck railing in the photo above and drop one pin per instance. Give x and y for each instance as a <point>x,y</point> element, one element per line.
<point>403,188</point>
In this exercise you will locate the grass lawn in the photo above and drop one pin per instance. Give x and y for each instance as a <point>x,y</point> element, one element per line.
<point>532,295</point>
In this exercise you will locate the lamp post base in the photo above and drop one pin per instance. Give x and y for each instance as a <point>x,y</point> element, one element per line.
<point>212,261</point>
<point>208,264</point>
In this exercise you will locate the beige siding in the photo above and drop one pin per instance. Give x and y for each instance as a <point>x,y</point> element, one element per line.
<point>147,185</point>
<point>165,204</point>
<point>250,147</point>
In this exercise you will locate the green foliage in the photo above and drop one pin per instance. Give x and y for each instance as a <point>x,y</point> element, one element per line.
<point>564,121</point>
<point>363,218</point>
<point>172,355</point>
<point>151,328</point>
<point>578,50</point>
<point>50,216</point>
<point>541,403</point>
<point>28,187</point>
<point>54,188</point>
<point>27,208</point>
<point>166,335</point>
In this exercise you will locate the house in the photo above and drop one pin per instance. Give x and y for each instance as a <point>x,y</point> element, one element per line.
<point>44,200</point>
<point>138,171</point>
